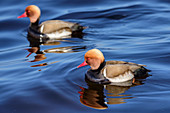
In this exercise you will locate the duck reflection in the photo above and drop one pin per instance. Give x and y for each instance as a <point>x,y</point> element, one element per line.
<point>68,49</point>
<point>115,94</point>
<point>40,55</point>
<point>94,96</point>
<point>35,48</point>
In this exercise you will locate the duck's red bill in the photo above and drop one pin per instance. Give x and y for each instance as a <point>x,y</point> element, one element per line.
<point>83,64</point>
<point>23,15</point>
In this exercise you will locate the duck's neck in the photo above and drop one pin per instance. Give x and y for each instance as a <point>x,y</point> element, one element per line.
<point>34,26</point>
<point>95,75</point>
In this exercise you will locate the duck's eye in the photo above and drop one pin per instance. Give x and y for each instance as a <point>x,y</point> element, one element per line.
<point>28,13</point>
<point>86,61</point>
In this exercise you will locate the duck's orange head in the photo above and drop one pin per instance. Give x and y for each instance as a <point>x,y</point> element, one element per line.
<point>93,57</point>
<point>32,12</point>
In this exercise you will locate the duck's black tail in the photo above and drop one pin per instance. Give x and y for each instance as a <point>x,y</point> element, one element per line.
<point>77,30</point>
<point>141,73</point>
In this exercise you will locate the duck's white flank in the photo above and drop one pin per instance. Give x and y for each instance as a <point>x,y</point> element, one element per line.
<point>121,78</point>
<point>41,28</point>
<point>58,35</point>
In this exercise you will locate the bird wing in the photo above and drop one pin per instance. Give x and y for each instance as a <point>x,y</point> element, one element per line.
<point>115,70</point>
<point>123,62</point>
<point>51,26</point>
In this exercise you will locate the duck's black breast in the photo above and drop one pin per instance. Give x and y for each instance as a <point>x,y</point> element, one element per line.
<point>33,31</point>
<point>96,75</point>
<point>37,35</point>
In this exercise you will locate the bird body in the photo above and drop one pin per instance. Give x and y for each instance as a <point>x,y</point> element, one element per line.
<point>52,29</point>
<point>110,71</point>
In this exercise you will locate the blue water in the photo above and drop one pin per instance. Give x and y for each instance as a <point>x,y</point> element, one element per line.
<point>132,30</point>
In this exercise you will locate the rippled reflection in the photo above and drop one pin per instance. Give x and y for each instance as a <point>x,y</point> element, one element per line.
<point>40,54</point>
<point>35,48</point>
<point>94,95</point>
<point>68,49</point>
<point>115,94</point>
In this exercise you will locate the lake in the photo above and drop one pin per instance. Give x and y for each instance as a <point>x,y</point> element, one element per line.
<point>47,81</point>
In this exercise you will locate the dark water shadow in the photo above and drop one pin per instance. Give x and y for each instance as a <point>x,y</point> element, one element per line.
<point>117,13</point>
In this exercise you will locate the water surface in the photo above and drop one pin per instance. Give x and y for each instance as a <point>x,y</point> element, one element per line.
<point>47,81</point>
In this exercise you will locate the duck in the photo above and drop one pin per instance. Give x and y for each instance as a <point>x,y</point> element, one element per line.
<point>107,72</point>
<point>50,29</point>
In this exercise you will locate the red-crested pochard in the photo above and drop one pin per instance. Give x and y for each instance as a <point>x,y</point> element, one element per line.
<point>51,28</point>
<point>102,71</point>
